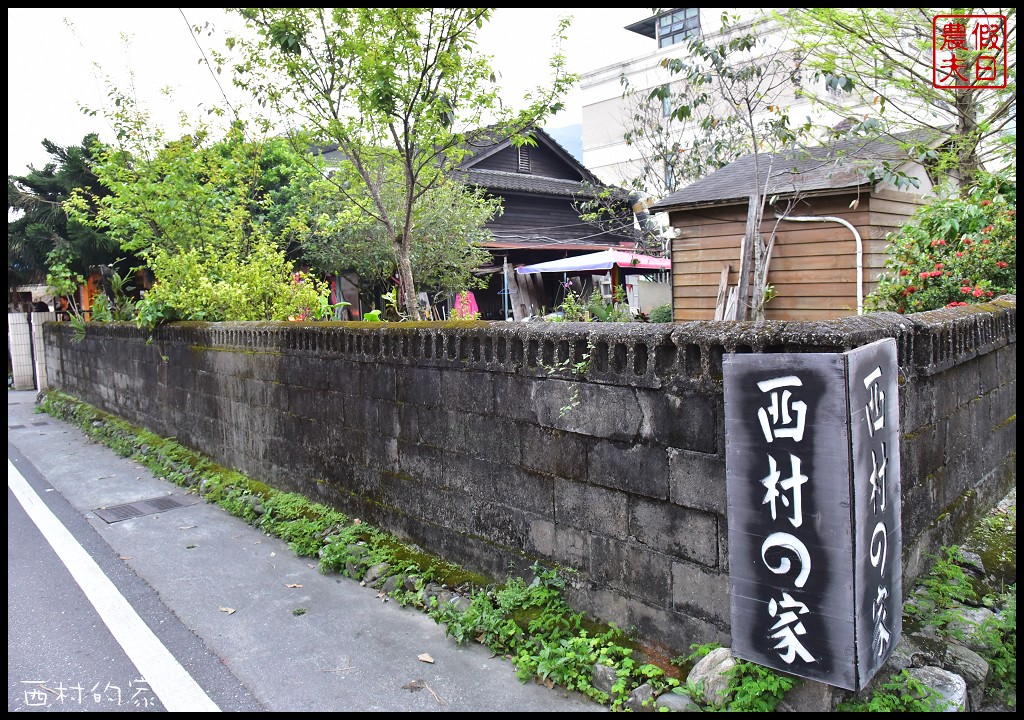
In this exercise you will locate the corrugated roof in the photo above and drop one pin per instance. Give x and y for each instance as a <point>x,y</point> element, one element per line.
<point>842,165</point>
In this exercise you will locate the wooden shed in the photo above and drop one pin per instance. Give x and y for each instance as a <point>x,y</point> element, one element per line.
<point>829,218</point>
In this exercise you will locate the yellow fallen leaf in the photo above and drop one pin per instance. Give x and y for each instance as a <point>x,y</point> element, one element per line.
<point>293,585</point>
<point>423,657</point>
<point>227,610</point>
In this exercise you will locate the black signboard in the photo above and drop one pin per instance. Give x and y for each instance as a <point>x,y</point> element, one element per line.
<point>812,467</point>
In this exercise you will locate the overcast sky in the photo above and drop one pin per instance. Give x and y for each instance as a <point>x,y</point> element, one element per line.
<point>53,54</point>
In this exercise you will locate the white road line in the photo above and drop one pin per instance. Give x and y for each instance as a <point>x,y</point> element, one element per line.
<point>166,677</point>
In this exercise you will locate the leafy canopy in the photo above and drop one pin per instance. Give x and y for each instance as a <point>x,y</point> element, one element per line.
<point>205,215</point>
<point>400,92</point>
<point>41,234</point>
<point>448,227</point>
<point>878,62</point>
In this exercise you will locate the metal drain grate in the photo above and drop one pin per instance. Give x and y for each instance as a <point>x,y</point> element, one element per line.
<point>117,513</point>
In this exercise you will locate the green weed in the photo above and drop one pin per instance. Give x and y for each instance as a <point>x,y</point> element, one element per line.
<point>901,693</point>
<point>528,621</point>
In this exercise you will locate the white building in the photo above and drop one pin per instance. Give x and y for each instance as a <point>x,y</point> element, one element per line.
<point>607,114</point>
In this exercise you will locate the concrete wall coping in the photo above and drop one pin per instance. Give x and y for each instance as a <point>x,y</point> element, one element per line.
<point>636,354</point>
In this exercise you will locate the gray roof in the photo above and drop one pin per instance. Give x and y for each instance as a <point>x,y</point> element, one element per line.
<point>521,182</point>
<point>486,143</point>
<point>845,164</point>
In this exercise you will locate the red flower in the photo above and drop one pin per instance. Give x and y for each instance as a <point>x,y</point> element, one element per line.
<point>985,203</point>
<point>988,229</point>
<point>978,292</point>
<point>1001,264</point>
<point>904,272</point>
<point>989,293</point>
<point>965,289</point>
<point>959,254</point>
<point>924,275</point>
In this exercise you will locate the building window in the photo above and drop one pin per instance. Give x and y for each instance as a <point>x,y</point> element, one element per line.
<point>524,159</point>
<point>676,26</point>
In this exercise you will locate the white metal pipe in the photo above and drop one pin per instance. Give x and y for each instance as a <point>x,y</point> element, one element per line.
<point>856,237</point>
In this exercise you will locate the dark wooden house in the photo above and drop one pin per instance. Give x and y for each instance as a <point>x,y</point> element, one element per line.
<point>541,187</point>
<point>830,218</point>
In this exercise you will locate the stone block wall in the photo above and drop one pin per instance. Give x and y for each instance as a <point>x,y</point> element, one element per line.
<point>597,447</point>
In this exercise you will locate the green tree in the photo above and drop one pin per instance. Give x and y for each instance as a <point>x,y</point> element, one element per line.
<point>878,63</point>
<point>205,214</point>
<point>744,79</point>
<point>40,225</point>
<point>395,89</point>
<point>448,229</point>
<point>677,149</point>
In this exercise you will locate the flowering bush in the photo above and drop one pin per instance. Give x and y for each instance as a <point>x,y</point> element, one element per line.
<point>954,251</point>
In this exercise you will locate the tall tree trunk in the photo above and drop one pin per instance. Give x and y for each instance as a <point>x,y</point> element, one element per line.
<point>966,139</point>
<point>412,306</point>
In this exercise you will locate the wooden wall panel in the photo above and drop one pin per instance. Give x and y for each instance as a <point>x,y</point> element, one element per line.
<point>543,163</point>
<point>813,265</point>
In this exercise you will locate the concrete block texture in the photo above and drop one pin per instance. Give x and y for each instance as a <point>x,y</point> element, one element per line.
<point>593,446</point>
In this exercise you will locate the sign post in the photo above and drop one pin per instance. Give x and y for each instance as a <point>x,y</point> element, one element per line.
<point>813,478</point>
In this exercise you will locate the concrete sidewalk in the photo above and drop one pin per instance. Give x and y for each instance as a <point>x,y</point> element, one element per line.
<point>348,650</point>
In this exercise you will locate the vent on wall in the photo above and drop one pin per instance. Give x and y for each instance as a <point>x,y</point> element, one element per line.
<point>524,159</point>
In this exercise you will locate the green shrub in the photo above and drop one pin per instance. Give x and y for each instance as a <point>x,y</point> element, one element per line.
<point>662,314</point>
<point>953,251</point>
<point>901,693</point>
<point>222,284</point>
